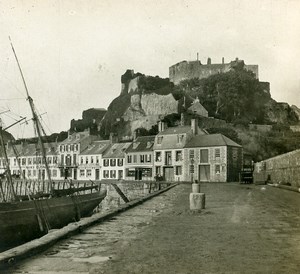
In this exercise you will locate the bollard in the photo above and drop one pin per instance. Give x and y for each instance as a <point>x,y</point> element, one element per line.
<point>195,188</point>
<point>197,201</point>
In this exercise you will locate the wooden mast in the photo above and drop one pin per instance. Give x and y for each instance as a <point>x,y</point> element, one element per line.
<point>9,178</point>
<point>35,119</point>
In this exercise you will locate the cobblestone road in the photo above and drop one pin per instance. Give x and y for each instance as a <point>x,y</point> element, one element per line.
<point>244,229</point>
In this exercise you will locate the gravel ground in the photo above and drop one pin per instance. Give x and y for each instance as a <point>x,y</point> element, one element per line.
<point>244,229</point>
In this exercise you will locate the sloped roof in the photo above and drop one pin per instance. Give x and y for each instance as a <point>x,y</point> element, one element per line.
<point>76,137</point>
<point>116,150</point>
<point>175,130</point>
<point>211,140</point>
<point>97,147</point>
<point>143,143</point>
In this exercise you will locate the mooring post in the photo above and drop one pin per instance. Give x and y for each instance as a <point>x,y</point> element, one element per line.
<point>197,199</point>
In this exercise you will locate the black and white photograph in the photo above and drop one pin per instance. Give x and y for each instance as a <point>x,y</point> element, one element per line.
<point>149,137</point>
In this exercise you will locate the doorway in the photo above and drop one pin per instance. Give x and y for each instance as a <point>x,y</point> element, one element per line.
<point>204,173</point>
<point>169,174</point>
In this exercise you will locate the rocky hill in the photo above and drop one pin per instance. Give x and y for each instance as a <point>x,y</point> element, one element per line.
<point>234,97</point>
<point>143,101</point>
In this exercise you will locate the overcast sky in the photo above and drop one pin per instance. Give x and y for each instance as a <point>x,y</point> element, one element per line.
<point>73,52</point>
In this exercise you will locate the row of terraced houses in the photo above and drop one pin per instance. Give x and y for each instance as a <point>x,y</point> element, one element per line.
<point>183,153</point>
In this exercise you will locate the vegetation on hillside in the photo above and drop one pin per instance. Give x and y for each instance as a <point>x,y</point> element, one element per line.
<point>231,96</point>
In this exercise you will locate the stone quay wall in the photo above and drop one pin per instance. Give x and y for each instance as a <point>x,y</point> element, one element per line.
<point>283,169</point>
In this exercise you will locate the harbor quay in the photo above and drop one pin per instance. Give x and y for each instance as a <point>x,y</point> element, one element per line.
<point>243,229</point>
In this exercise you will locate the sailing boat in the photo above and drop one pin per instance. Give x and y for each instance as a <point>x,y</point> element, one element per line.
<point>23,219</point>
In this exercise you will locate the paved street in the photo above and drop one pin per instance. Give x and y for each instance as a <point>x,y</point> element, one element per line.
<point>244,229</point>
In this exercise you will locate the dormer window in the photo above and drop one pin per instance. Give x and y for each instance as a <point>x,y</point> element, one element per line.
<point>135,145</point>
<point>180,138</point>
<point>149,144</point>
<point>159,140</point>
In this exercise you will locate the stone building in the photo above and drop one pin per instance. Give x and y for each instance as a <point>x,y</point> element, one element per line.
<point>195,69</point>
<point>212,158</point>
<point>168,150</point>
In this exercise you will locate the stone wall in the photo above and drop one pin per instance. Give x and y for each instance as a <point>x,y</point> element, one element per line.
<point>194,69</point>
<point>282,169</point>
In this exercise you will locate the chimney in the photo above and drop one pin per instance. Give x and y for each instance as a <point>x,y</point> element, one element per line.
<point>182,119</point>
<point>236,59</point>
<point>223,60</point>
<point>111,137</point>
<point>161,126</point>
<point>197,56</point>
<point>209,61</point>
<point>194,126</point>
<point>135,135</point>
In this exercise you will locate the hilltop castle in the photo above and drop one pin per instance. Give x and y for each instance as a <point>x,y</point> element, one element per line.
<point>194,69</point>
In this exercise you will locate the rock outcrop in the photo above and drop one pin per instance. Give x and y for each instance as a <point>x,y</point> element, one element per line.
<point>142,102</point>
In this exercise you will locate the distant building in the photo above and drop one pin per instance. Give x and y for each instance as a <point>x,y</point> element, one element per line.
<point>212,158</point>
<point>69,151</point>
<point>139,159</point>
<point>197,108</point>
<point>113,161</point>
<point>194,69</point>
<point>90,160</point>
<point>168,150</point>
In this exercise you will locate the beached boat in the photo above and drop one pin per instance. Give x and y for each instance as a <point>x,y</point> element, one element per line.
<point>33,215</point>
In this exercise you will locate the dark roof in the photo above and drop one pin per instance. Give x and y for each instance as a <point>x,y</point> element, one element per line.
<point>116,150</point>
<point>175,130</point>
<point>96,147</point>
<point>143,143</point>
<point>211,140</point>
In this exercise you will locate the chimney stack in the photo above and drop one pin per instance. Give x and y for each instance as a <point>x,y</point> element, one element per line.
<point>182,119</point>
<point>223,60</point>
<point>161,126</point>
<point>197,56</point>
<point>194,126</point>
<point>135,135</point>
<point>209,61</point>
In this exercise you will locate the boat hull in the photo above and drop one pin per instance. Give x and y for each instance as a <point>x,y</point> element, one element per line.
<point>23,221</point>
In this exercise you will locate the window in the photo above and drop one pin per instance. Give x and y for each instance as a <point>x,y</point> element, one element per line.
<point>72,147</point>
<point>178,170</point>
<point>81,160</point>
<point>86,160</point>
<point>129,159</point>
<point>142,158</point>
<point>49,160</point>
<point>234,154</point>
<point>97,159</point>
<point>106,162</point>
<point>112,162</point>
<point>105,174</point>
<point>92,159</point>
<point>54,173</point>
<point>217,169</point>
<point>217,153</point>
<point>134,158</point>
<point>148,158</point>
<point>178,155</point>
<point>29,173</point>
<point>130,172</point>
<point>180,138</point>
<point>23,161</point>
<point>34,172</point>
<point>55,160</point>
<point>191,154</point>
<point>157,170</point>
<point>112,174</point>
<point>15,161</point>
<point>88,172</point>
<point>159,140</point>
<point>191,169</point>
<point>120,162</point>
<point>203,155</point>
<point>158,156</point>
<point>82,172</point>
<point>75,147</point>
